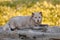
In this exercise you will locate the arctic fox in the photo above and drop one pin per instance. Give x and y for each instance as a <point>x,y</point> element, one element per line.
<point>20,22</point>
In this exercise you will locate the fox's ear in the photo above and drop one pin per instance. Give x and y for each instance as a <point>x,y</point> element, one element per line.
<point>40,13</point>
<point>32,14</point>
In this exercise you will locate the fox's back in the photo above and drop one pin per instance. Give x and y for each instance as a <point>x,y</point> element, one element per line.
<point>20,19</point>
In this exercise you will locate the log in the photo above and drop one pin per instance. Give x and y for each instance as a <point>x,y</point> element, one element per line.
<point>31,33</point>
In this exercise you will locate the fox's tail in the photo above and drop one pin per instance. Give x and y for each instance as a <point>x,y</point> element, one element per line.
<point>6,27</point>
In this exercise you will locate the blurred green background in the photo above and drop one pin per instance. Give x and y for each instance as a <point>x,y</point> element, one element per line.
<point>50,9</point>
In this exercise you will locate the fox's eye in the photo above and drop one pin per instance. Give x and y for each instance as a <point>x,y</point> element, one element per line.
<point>39,17</point>
<point>35,17</point>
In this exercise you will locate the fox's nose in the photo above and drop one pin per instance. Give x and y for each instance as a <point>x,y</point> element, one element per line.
<point>37,20</point>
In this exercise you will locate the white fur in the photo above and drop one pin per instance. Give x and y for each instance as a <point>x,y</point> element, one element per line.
<point>37,15</point>
<point>23,21</point>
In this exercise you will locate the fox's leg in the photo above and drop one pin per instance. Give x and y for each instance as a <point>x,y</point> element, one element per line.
<point>12,26</point>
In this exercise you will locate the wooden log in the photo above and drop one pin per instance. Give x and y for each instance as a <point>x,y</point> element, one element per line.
<point>31,33</point>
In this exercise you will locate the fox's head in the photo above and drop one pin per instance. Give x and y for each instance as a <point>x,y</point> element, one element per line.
<point>37,17</point>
